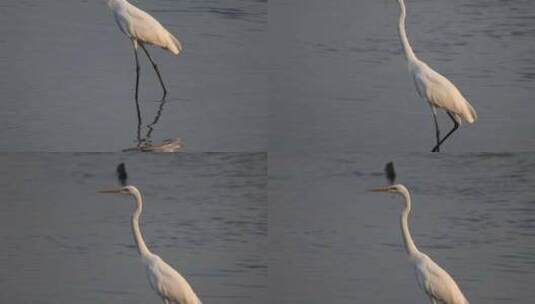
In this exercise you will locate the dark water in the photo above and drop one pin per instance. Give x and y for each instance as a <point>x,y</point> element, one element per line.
<point>474,214</point>
<point>67,77</point>
<point>205,214</point>
<point>342,82</point>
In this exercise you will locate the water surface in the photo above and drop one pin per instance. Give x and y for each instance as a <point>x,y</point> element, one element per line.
<point>205,214</point>
<point>67,77</point>
<point>341,81</point>
<point>474,214</point>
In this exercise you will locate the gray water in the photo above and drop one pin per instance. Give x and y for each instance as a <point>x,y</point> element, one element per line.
<point>62,242</point>
<point>340,80</point>
<point>307,76</point>
<point>474,214</point>
<point>303,79</point>
<point>67,77</point>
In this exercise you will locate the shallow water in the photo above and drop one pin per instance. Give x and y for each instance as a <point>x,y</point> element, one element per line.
<point>67,77</point>
<point>311,75</point>
<point>474,214</point>
<point>342,82</point>
<point>205,214</point>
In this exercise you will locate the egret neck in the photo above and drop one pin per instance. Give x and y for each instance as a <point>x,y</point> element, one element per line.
<point>407,239</point>
<point>409,53</point>
<point>138,237</point>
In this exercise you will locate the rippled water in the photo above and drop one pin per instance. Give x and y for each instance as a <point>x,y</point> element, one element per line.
<point>342,81</point>
<point>205,214</point>
<point>474,214</point>
<point>67,77</point>
<point>310,75</point>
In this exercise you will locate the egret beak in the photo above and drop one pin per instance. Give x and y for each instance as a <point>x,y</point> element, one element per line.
<point>380,189</point>
<point>110,191</point>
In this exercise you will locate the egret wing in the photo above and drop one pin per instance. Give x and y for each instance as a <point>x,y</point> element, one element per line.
<point>438,284</point>
<point>122,22</point>
<point>442,93</point>
<point>170,284</point>
<point>147,29</point>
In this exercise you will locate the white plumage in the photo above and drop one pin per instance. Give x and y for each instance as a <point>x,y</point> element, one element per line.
<point>166,281</point>
<point>140,26</point>
<point>441,93</point>
<point>436,89</point>
<point>143,29</point>
<point>433,279</point>
<point>437,283</point>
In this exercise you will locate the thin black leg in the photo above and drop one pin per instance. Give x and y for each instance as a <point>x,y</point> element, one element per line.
<point>151,126</point>
<point>138,110</point>
<point>137,69</point>
<point>139,122</point>
<point>156,70</point>
<point>455,127</point>
<point>437,131</point>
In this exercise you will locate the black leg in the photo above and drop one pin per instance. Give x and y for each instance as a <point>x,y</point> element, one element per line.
<point>455,127</point>
<point>137,68</point>
<point>138,111</point>
<point>139,122</point>
<point>437,134</point>
<point>156,70</point>
<point>151,126</point>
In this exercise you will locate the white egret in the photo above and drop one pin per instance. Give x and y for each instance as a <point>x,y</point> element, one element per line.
<point>143,29</point>
<point>166,281</point>
<point>437,90</point>
<point>435,281</point>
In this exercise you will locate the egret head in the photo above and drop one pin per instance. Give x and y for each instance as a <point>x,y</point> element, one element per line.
<point>398,188</point>
<point>126,190</point>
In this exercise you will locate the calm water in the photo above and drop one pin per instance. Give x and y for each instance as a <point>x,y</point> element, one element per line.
<point>337,243</point>
<point>67,77</point>
<point>310,75</point>
<point>342,82</point>
<point>206,214</point>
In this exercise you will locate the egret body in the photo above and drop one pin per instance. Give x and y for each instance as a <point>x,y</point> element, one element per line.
<point>435,281</point>
<point>166,281</point>
<point>142,28</point>
<point>436,89</point>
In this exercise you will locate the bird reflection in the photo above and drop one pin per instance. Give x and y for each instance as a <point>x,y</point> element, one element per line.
<point>144,143</point>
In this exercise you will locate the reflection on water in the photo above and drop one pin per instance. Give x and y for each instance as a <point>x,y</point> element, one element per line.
<point>474,214</point>
<point>205,214</point>
<point>220,77</point>
<point>144,143</point>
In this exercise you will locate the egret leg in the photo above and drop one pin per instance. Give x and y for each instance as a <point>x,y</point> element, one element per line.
<point>137,70</point>
<point>156,70</point>
<point>139,122</point>
<point>138,111</point>
<point>150,126</point>
<point>437,130</point>
<point>455,127</point>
